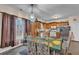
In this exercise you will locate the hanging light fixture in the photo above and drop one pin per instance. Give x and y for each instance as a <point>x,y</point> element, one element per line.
<point>32,16</point>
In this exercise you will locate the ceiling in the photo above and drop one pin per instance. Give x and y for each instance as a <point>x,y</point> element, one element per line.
<point>46,11</point>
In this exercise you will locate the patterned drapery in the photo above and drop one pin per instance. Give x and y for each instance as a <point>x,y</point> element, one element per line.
<point>5,30</point>
<point>28,25</point>
<point>12,31</point>
<point>9,30</point>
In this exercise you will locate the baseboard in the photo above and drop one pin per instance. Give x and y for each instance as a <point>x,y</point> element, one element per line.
<point>74,41</point>
<point>4,51</point>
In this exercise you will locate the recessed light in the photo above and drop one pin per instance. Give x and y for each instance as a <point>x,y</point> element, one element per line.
<point>56,16</point>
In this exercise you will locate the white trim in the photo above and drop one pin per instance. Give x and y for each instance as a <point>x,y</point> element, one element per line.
<point>2,50</point>
<point>0,26</point>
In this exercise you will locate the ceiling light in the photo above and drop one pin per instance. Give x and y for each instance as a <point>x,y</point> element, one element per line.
<point>56,16</point>
<point>32,16</point>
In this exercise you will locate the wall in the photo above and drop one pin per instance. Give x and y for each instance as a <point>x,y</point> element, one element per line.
<point>12,10</point>
<point>75,28</point>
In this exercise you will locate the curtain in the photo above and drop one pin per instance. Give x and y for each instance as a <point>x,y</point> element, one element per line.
<point>28,25</point>
<point>12,31</point>
<point>25,25</point>
<point>13,28</point>
<point>5,30</point>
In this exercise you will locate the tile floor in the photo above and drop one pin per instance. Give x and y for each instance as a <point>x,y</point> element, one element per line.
<point>74,48</point>
<point>22,50</point>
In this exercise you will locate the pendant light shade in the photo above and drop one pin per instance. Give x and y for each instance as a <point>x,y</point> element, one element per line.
<point>32,17</point>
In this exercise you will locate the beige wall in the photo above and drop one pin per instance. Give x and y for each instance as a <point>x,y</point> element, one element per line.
<point>75,28</point>
<point>12,10</point>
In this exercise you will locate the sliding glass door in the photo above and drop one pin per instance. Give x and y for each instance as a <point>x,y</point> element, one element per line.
<point>20,29</point>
